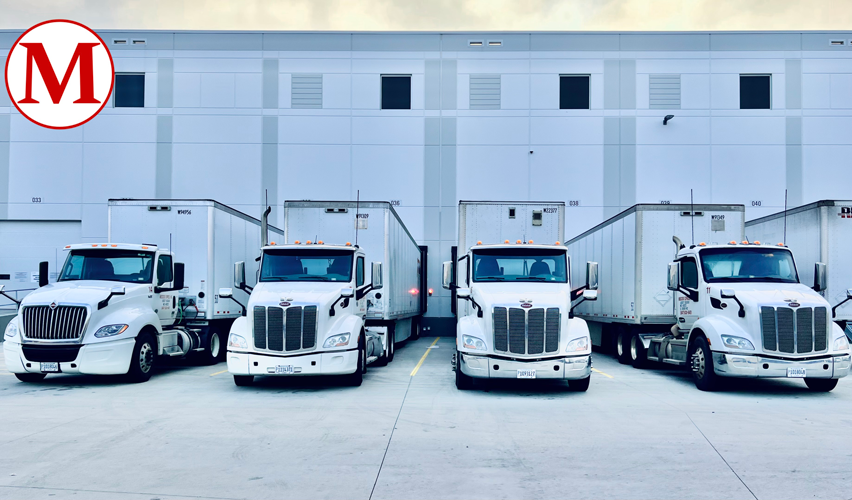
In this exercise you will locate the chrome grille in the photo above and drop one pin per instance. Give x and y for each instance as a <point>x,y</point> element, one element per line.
<point>526,331</point>
<point>59,323</point>
<point>794,331</point>
<point>285,329</point>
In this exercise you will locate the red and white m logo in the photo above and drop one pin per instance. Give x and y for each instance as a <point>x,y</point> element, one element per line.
<point>82,59</point>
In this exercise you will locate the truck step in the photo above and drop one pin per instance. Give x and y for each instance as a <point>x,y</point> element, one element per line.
<point>172,351</point>
<point>372,359</point>
<point>675,362</point>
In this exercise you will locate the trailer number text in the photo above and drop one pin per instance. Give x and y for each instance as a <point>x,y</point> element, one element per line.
<point>184,212</point>
<point>550,210</point>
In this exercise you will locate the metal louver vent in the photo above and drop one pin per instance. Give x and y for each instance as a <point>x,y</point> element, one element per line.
<point>306,91</point>
<point>664,92</point>
<point>484,91</point>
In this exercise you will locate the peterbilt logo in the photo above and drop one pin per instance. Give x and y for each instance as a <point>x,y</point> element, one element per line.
<point>52,305</point>
<point>794,304</point>
<point>526,305</point>
<point>283,304</point>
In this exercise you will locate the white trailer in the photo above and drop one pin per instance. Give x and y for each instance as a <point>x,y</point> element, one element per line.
<point>501,222</point>
<point>818,232</point>
<point>376,228</point>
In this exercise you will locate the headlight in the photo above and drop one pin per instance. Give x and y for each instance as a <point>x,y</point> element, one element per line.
<point>110,330</point>
<point>580,344</point>
<point>337,341</point>
<point>12,328</point>
<point>237,341</point>
<point>736,342</point>
<point>475,343</point>
<point>840,343</point>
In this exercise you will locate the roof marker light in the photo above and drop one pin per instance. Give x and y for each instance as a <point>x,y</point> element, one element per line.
<point>756,243</point>
<point>144,248</point>
<point>745,243</point>
<point>530,242</point>
<point>732,242</point>
<point>557,243</point>
<point>297,242</point>
<point>113,246</point>
<point>702,244</point>
<point>478,242</point>
<point>780,244</point>
<point>103,245</point>
<point>94,245</point>
<point>67,246</point>
<point>507,241</point>
<point>348,244</point>
<point>272,243</point>
<point>308,242</point>
<point>519,242</point>
<point>319,242</point>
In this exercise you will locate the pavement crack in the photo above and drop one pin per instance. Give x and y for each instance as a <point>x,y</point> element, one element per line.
<point>145,493</point>
<point>390,438</point>
<point>720,455</point>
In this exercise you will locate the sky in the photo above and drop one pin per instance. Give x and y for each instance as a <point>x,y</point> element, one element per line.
<point>436,15</point>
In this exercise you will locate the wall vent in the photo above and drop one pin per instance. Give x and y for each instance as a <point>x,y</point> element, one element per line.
<point>306,91</point>
<point>475,43</point>
<point>119,41</point>
<point>837,42</point>
<point>139,41</point>
<point>664,92</point>
<point>158,208</point>
<point>484,91</point>
<point>495,43</point>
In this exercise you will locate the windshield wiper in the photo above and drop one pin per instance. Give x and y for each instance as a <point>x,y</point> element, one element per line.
<point>318,278</point>
<point>533,278</point>
<point>490,278</point>
<point>275,278</point>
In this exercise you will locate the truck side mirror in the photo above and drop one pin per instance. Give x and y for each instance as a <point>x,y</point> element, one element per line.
<point>180,272</point>
<point>117,290</point>
<point>347,293</point>
<point>590,295</point>
<point>673,276</point>
<point>42,274</point>
<point>819,277</point>
<point>849,293</point>
<point>226,293</point>
<point>727,293</point>
<point>377,276</point>
<point>239,275</point>
<point>463,293</point>
<point>447,275</point>
<point>591,275</point>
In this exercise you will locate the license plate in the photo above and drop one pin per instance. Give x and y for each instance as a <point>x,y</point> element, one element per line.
<point>797,372</point>
<point>526,373</point>
<point>283,369</point>
<point>50,367</point>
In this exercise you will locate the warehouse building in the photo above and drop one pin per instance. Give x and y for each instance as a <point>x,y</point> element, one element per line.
<point>427,119</point>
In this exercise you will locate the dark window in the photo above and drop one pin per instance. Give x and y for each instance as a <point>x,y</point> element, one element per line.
<point>359,271</point>
<point>129,91</point>
<point>164,270</point>
<point>689,274</point>
<point>755,91</point>
<point>574,92</point>
<point>396,92</point>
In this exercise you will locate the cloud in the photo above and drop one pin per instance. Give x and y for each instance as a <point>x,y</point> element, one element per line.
<point>436,15</point>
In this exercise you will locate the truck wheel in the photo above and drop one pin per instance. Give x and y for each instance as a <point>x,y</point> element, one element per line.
<point>821,384</point>
<point>415,328</point>
<point>581,385</point>
<point>213,350</point>
<point>391,343</point>
<point>355,379</point>
<point>463,382</point>
<point>638,356</point>
<point>387,355</point>
<point>702,366</point>
<point>622,346</point>
<point>142,359</point>
<point>30,377</point>
<point>243,380</point>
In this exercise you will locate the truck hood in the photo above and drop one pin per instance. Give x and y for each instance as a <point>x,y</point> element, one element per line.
<point>83,293</point>
<point>322,294</point>
<point>757,294</point>
<point>539,294</point>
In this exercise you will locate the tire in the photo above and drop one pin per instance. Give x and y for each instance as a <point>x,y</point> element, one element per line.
<point>622,346</point>
<point>391,342</point>
<point>581,385</point>
<point>30,377</point>
<point>415,328</point>
<point>387,355</point>
<point>213,349</point>
<point>463,382</point>
<point>701,361</point>
<point>355,379</point>
<point>243,380</point>
<point>142,359</point>
<point>638,354</point>
<point>821,384</point>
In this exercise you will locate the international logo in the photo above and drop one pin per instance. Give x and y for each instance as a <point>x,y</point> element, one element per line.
<point>59,74</point>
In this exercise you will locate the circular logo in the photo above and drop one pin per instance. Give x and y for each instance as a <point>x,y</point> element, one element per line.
<point>59,74</point>
<point>526,305</point>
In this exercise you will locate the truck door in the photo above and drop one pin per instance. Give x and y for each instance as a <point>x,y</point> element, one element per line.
<point>165,299</point>
<point>360,305</point>
<point>687,310</point>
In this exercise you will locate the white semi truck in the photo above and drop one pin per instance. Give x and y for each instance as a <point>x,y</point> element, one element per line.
<point>736,308</point>
<point>818,233</point>
<point>514,296</point>
<point>117,306</point>
<point>317,308</point>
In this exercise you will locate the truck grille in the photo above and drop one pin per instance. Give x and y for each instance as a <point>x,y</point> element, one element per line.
<point>285,329</point>
<point>526,331</point>
<point>794,331</point>
<point>59,323</point>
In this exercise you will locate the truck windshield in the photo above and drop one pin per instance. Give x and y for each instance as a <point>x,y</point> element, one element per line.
<point>127,266</point>
<point>519,265</point>
<point>306,265</point>
<point>755,264</point>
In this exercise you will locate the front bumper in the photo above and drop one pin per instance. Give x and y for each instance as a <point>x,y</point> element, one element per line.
<point>103,358</point>
<point>485,366</point>
<point>738,365</point>
<point>314,363</point>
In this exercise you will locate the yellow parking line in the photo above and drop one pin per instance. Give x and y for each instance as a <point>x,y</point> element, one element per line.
<point>414,372</point>
<point>607,375</point>
<point>218,373</point>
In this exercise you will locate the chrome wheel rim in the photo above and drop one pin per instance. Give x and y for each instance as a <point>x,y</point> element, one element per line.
<point>146,357</point>
<point>214,345</point>
<point>633,349</point>
<point>699,363</point>
<point>619,345</point>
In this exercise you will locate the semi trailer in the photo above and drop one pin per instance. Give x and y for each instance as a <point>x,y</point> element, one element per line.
<point>720,306</point>
<point>817,233</point>
<point>318,308</point>
<point>514,296</point>
<point>118,306</point>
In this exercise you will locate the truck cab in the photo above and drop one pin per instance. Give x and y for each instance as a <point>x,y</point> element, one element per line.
<point>516,318</point>
<point>111,311</point>
<point>306,314</point>
<point>742,312</point>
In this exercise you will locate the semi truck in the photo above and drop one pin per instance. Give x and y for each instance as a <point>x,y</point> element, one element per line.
<point>817,233</point>
<point>721,306</point>
<point>318,309</point>
<point>514,296</point>
<point>119,305</point>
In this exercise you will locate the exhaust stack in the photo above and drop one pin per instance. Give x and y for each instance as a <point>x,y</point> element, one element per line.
<point>264,227</point>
